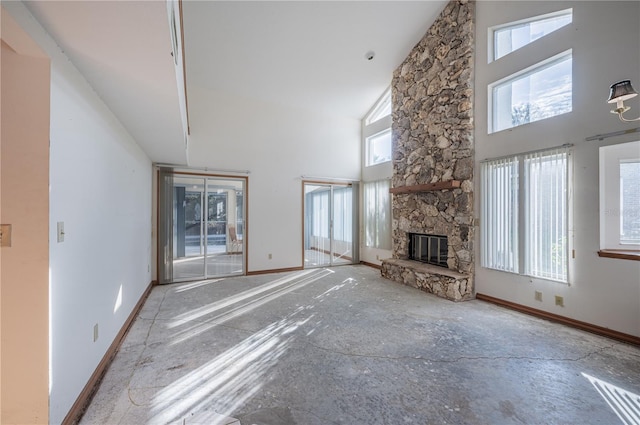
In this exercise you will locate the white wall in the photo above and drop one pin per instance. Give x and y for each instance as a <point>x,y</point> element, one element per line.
<point>602,291</point>
<point>277,145</point>
<point>100,187</point>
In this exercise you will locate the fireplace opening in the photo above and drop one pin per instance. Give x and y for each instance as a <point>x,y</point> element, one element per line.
<point>431,249</point>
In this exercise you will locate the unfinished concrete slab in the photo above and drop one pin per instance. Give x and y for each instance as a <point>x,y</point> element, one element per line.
<point>344,346</point>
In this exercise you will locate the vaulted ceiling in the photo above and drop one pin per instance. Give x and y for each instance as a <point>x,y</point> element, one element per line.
<point>297,54</point>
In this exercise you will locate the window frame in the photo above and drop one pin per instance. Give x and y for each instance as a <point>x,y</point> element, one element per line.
<point>381,104</point>
<point>505,204</point>
<point>492,41</point>
<point>610,158</point>
<point>535,264</point>
<point>492,107</point>
<point>371,129</point>
<point>377,172</point>
<point>369,151</point>
<point>377,188</point>
<point>521,250</point>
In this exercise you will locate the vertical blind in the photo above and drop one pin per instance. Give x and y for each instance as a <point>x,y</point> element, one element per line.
<point>545,182</point>
<point>321,217</point>
<point>525,210</point>
<point>320,220</point>
<point>499,224</point>
<point>377,214</point>
<point>342,214</point>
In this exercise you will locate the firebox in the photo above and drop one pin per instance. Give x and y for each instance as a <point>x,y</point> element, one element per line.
<point>431,249</point>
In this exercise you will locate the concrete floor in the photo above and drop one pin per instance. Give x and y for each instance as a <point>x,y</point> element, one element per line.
<point>344,346</point>
<point>219,264</point>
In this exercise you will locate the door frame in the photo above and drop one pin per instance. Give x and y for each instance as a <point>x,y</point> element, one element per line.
<point>205,175</point>
<point>355,236</point>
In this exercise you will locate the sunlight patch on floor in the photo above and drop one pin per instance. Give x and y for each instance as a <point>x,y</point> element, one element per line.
<point>220,386</point>
<point>239,304</point>
<point>195,285</point>
<point>624,403</point>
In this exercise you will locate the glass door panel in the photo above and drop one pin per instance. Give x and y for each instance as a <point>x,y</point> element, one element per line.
<point>225,227</point>
<point>342,242</point>
<point>188,228</point>
<point>317,223</point>
<point>202,226</point>
<point>329,225</point>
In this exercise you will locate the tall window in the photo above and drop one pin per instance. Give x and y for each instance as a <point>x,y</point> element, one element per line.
<point>525,203</point>
<point>545,184</point>
<point>377,132</point>
<point>376,175</point>
<point>499,186</point>
<point>377,214</point>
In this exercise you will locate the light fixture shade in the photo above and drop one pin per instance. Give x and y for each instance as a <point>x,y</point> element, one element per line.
<point>622,90</point>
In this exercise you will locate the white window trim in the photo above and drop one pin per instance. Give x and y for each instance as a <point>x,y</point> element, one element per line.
<point>491,43</point>
<point>382,102</point>
<point>609,189</point>
<point>367,147</point>
<point>369,130</point>
<point>520,248</point>
<point>491,107</point>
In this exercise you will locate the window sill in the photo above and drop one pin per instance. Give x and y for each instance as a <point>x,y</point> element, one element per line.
<point>620,254</point>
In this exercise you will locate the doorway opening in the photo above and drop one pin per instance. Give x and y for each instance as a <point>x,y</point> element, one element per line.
<point>330,224</point>
<point>202,226</point>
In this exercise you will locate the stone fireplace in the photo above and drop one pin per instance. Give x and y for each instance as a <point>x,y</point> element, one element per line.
<point>432,183</point>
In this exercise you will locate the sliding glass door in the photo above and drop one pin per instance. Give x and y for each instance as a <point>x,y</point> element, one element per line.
<point>202,226</point>
<point>330,224</point>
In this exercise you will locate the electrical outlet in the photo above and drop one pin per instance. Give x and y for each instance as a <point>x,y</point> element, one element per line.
<point>270,256</point>
<point>559,301</point>
<point>95,332</point>
<point>538,296</point>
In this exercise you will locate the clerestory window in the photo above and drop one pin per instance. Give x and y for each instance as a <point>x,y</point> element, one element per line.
<point>514,35</point>
<point>539,92</point>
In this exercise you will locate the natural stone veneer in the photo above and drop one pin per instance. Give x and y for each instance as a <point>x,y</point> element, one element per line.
<point>443,282</point>
<point>432,95</point>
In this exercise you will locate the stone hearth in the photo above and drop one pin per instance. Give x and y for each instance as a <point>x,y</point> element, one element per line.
<point>432,96</point>
<point>436,280</point>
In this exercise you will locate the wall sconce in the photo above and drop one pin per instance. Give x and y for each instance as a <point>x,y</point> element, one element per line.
<point>621,91</point>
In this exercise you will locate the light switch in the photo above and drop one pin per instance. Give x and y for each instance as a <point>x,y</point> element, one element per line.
<point>5,235</point>
<point>61,231</point>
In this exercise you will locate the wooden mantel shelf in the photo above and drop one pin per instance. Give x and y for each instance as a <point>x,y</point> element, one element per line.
<point>429,187</point>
